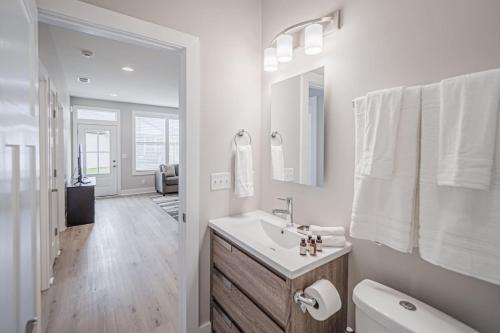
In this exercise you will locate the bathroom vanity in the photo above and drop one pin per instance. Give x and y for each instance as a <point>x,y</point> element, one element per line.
<point>256,269</point>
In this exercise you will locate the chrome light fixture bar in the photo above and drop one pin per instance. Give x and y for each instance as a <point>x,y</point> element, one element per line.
<point>281,48</point>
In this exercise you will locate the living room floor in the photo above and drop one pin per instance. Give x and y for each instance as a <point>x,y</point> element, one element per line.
<point>117,275</point>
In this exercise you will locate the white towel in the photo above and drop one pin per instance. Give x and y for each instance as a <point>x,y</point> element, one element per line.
<point>383,109</point>
<point>327,231</point>
<point>459,227</point>
<point>278,162</point>
<point>333,241</point>
<point>243,178</point>
<point>467,129</point>
<point>384,209</point>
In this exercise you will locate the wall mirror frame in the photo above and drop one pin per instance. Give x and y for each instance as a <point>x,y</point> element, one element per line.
<point>298,128</point>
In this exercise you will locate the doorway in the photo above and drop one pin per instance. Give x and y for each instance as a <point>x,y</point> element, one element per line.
<point>80,16</point>
<point>100,156</point>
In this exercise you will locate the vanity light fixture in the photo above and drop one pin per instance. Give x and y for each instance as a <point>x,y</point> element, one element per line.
<point>313,39</point>
<point>284,48</point>
<point>127,69</point>
<point>113,95</point>
<point>270,59</point>
<point>281,48</point>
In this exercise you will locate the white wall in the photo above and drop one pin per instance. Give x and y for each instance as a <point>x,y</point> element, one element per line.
<point>129,181</point>
<point>384,43</point>
<point>230,37</point>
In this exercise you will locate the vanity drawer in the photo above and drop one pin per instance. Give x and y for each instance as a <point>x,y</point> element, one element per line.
<point>243,311</point>
<point>222,323</point>
<point>264,287</point>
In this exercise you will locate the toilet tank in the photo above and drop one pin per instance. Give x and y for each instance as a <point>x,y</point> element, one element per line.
<point>380,309</point>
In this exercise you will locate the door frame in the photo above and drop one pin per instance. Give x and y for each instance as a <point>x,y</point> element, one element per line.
<point>74,135</point>
<point>95,20</point>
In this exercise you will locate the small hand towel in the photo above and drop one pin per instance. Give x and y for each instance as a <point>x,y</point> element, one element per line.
<point>459,227</point>
<point>384,209</point>
<point>468,114</point>
<point>243,178</point>
<point>326,231</point>
<point>278,162</point>
<point>333,241</point>
<point>383,109</point>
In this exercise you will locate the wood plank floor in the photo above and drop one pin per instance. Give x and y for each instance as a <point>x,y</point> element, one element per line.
<point>118,275</point>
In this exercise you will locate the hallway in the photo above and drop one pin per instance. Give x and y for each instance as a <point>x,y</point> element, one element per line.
<point>118,275</point>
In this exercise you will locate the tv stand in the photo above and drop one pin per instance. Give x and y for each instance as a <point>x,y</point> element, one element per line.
<point>80,202</point>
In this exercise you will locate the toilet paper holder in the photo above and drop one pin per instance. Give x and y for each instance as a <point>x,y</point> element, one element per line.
<point>301,298</point>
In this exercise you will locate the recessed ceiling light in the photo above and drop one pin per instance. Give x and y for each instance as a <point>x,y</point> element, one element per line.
<point>87,53</point>
<point>113,95</point>
<point>127,69</point>
<point>83,79</point>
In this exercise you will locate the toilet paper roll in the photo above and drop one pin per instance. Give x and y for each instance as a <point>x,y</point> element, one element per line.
<point>327,297</point>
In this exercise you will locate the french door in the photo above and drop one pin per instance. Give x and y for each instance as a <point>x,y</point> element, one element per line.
<point>100,157</point>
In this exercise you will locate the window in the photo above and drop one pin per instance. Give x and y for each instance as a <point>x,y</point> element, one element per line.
<point>150,145</point>
<point>96,114</point>
<point>173,141</point>
<point>97,152</point>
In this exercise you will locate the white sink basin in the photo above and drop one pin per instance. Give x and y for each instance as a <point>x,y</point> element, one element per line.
<point>265,236</point>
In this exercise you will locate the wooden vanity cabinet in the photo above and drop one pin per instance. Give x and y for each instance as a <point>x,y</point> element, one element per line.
<point>249,296</point>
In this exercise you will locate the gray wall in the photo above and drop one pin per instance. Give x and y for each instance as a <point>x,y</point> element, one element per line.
<point>128,180</point>
<point>230,60</point>
<point>384,43</point>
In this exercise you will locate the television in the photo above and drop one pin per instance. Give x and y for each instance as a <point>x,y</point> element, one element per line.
<point>80,177</point>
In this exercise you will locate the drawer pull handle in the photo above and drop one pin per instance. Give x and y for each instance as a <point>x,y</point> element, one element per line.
<point>227,284</point>
<point>228,321</point>
<point>225,244</point>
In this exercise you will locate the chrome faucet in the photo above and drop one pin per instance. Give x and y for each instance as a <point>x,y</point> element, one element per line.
<point>288,211</point>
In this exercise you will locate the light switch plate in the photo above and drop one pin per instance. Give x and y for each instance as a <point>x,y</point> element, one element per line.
<point>220,181</point>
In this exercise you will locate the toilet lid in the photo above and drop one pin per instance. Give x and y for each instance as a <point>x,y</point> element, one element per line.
<point>401,313</point>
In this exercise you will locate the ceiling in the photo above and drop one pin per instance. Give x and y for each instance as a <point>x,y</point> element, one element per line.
<point>154,81</point>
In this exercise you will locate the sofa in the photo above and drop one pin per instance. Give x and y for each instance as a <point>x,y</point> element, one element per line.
<point>167,184</point>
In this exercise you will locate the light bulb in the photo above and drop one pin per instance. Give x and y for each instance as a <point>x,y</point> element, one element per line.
<point>313,39</point>
<point>284,48</point>
<point>270,61</point>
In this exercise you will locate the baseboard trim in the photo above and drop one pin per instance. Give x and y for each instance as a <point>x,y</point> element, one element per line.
<point>135,191</point>
<point>206,327</point>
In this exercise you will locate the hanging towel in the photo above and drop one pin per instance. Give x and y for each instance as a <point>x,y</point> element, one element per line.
<point>243,178</point>
<point>326,231</point>
<point>333,241</point>
<point>384,209</point>
<point>383,109</point>
<point>278,162</point>
<point>459,227</point>
<point>467,129</point>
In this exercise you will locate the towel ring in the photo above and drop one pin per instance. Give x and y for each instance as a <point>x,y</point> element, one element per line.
<point>240,134</point>
<point>276,134</point>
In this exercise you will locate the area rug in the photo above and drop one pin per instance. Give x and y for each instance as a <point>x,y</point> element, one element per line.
<point>169,203</point>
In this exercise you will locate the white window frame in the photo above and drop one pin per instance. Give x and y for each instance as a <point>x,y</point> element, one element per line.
<point>95,121</point>
<point>162,115</point>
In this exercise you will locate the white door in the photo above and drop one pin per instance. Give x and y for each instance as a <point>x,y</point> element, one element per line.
<point>19,171</point>
<point>100,158</point>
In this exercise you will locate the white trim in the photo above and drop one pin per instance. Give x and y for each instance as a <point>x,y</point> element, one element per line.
<point>206,327</point>
<point>135,191</point>
<point>85,17</point>
<point>96,121</point>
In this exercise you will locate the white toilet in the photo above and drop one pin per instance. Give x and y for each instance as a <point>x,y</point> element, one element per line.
<point>380,309</point>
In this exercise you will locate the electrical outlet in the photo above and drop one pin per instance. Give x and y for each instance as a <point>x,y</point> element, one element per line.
<point>143,181</point>
<point>220,181</point>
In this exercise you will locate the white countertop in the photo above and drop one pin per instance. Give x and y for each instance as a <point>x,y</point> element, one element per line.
<point>265,237</point>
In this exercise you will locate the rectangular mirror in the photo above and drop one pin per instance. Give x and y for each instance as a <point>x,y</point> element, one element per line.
<point>297,128</point>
